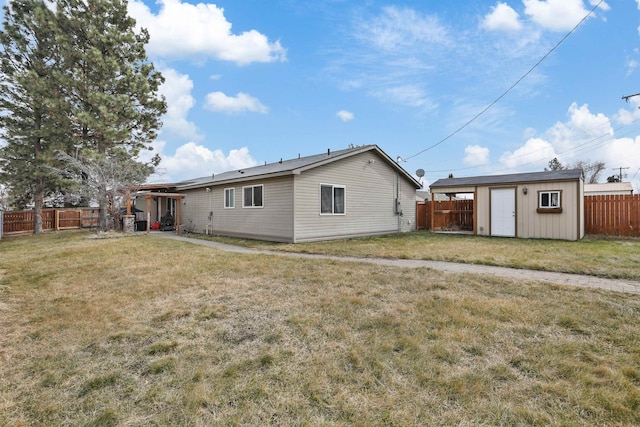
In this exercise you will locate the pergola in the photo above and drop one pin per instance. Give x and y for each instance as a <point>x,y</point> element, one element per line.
<point>151,195</point>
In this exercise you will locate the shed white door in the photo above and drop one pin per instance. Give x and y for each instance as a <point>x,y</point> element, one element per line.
<point>503,212</point>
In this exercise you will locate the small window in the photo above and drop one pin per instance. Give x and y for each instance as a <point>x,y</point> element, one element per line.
<point>549,200</point>
<point>252,196</point>
<point>332,200</point>
<point>229,198</point>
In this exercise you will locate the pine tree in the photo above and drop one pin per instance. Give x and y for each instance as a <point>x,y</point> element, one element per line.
<point>110,84</point>
<point>32,118</point>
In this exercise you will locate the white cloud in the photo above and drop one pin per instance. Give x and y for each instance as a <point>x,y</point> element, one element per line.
<point>583,129</point>
<point>192,160</point>
<point>631,115</point>
<point>535,150</point>
<point>585,136</point>
<point>397,27</point>
<point>219,102</point>
<point>502,17</point>
<point>476,155</point>
<point>408,95</point>
<point>345,116</point>
<point>555,15</point>
<point>177,91</point>
<point>201,31</point>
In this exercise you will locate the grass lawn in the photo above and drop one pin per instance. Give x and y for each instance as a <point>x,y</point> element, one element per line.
<point>147,331</point>
<point>592,255</point>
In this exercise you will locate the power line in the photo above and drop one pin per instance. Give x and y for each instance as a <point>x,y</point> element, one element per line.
<point>609,139</point>
<point>484,110</point>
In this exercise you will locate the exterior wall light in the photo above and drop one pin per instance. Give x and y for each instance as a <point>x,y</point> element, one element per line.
<point>524,190</point>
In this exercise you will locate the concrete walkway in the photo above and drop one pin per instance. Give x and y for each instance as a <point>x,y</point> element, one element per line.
<point>581,280</point>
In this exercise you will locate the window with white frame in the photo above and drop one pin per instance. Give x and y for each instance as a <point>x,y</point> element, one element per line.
<point>252,197</point>
<point>332,199</point>
<point>229,198</point>
<point>549,200</point>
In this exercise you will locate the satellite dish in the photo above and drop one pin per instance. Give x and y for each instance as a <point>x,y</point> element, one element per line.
<point>420,173</point>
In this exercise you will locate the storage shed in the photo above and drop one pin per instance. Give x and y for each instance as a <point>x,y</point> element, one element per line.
<point>542,205</point>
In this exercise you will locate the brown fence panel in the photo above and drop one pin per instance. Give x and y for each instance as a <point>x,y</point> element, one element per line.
<point>17,222</point>
<point>69,219</point>
<point>448,215</point>
<point>613,215</point>
<point>89,217</point>
<point>423,216</point>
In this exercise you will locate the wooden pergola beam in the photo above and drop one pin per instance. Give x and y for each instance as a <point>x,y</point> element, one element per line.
<point>176,196</point>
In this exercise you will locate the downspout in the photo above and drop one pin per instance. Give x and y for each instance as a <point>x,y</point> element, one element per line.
<point>398,205</point>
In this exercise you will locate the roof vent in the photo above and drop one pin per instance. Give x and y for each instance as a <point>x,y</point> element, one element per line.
<point>280,160</point>
<point>328,151</point>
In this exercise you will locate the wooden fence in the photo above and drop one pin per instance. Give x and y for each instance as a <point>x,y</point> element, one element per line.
<point>448,215</point>
<point>611,215</point>
<point>17,222</point>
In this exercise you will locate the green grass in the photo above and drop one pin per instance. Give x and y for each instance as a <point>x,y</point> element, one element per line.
<point>592,255</point>
<point>146,331</point>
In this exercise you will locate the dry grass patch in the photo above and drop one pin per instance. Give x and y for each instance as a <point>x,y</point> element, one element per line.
<point>592,256</point>
<point>142,331</point>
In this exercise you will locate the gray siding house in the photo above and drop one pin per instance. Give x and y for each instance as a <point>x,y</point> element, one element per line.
<point>542,205</point>
<point>354,192</point>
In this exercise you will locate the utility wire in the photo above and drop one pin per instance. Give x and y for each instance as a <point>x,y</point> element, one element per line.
<point>484,110</point>
<point>609,139</point>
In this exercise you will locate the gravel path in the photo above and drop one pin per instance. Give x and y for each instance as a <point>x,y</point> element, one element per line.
<point>617,285</point>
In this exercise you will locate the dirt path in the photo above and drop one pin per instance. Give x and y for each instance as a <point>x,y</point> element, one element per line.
<point>581,280</point>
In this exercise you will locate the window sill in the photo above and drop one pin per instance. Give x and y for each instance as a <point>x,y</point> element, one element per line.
<point>549,210</point>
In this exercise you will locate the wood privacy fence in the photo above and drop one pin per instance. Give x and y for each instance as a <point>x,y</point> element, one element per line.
<point>612,215</point>
<point>448,215</point>
<point>16,222</point>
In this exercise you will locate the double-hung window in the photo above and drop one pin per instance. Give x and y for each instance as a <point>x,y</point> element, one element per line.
<point>229,198</point>
<point>252,197</point>
<point>332,199</point>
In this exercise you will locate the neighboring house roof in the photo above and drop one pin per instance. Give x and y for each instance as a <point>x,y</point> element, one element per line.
<point>290,167</point>
<point>609,188</point>
<point>425,196</point>
<point>559,175</point>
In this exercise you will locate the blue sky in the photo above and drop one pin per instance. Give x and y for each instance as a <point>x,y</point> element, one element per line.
<point>250,81</point>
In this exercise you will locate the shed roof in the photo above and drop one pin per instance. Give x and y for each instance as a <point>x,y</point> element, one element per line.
<point>516,178</point>
<point>290,167</point>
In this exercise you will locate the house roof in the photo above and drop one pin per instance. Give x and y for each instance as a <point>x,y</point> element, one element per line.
<point>422,195</point>
<point>290,167</point>
<point>609,187</point>
<point>558,175</point>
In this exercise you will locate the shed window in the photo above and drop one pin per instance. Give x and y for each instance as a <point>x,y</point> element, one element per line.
<point>229,198</point>
<point>252,196</point>
<point>332,199</point>
<point>549,200</point>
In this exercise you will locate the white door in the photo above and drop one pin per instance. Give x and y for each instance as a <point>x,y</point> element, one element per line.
<point>503,212</point>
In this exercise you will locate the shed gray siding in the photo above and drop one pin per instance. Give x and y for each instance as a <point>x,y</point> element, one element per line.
<point>371,186</point>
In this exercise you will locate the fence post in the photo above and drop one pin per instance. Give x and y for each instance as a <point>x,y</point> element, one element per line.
<point>1,222</point>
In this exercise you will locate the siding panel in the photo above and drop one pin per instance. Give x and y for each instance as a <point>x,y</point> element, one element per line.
<point>371,187</point>
<point>274,221</point>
